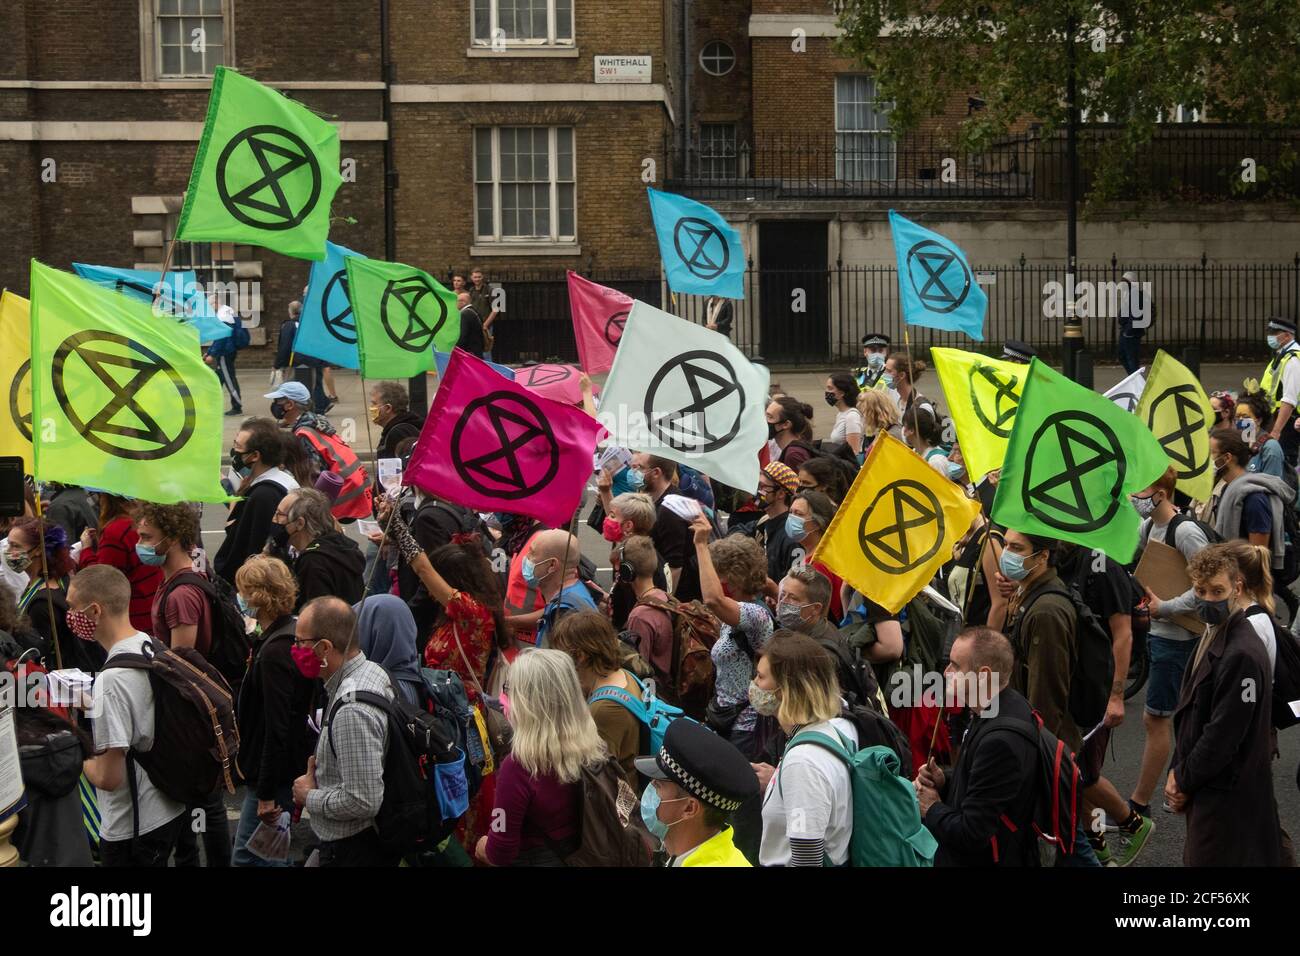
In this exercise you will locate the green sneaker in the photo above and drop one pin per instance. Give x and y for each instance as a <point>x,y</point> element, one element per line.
<point>1131,843</point>
<point>1103,854</point>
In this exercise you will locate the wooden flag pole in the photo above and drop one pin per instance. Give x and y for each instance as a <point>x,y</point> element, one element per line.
<point>45,573</point>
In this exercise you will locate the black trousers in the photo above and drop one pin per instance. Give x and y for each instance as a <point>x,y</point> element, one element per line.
<point>151,849</point>
<point>360,849</point>
<point>216,834</point>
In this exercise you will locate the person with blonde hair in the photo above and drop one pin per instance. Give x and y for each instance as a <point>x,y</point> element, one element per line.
<point>1253,562</point>
<point>274,701</point>
<point>808,797</point>
<point>538,790</point>
<point>879,411</point>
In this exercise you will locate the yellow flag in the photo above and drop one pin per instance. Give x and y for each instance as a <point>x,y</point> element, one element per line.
<point>1178,412</point>
<point>983,395</point>
<point>897,525</point>
<point>16,379</point>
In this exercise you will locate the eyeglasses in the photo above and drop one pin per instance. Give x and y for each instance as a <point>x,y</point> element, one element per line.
<point>299,641</point>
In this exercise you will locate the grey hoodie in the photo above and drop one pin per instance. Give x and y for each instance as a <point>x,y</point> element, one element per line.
<point>1227,518</point>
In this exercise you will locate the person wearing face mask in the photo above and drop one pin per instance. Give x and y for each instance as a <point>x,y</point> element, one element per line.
<point>328,561</point>
<point>139,824</point>
<point>629,514</point>
<point>875,351</point>
<point>1254,421</point>
<point>671,532</point>
<point>697,783</point>
<point>777,485</point>
<point>524,602</point>
<point>552,567</point>
<point>842,395</point>
<point>789,425</point>
<point>921,432</point>
<point>1169,643</point>
<point>41,551</point>
<point>343,786</point>
<point>274,702</point>
<point>113,542</point>
<point>323,449</point>
<point>390,409</point>
<point>1221,776</point>
<point>808,796</point>
<point>811,513</point>
<point>1280,384</point>
<point>256,455</point>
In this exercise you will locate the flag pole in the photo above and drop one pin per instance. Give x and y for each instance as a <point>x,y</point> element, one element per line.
<point>45,572</point>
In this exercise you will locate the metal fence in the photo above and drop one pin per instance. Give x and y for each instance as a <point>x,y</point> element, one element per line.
<point>818,317</point>
<point>1192,162</point>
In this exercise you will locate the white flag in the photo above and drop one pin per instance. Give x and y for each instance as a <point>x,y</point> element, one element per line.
<point>1128,393</point>
<point>684,393</point>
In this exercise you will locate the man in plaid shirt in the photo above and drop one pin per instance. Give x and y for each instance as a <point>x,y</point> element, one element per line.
<point>344,783</point>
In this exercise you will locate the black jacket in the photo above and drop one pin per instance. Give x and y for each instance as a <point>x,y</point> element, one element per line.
<point>330,565</point>
<point>432,526</point>
<point>274,702</point>
<point>50,830</point>
<point>403,425</point>
<point>70,509</point>
<point>248,528</point>
<point>471,331</point>
<point>997,774</point>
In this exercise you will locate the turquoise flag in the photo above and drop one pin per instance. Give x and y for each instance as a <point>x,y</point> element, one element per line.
<point>327,329</point>
<point>935,282</point>
<point>181,296</point>
<point>701,253</point>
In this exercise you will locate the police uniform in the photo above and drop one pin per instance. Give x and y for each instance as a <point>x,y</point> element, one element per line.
<point>1281,383</point>
<point>1017,351</point>
<point>868,376</point>
<point>711,770</point>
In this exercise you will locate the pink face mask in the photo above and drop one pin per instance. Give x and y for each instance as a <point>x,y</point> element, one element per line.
<point>309,664</point>
<point>612,530</point>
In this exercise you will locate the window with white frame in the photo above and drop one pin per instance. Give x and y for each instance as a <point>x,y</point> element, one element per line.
<point>191,37</point>
<point>523,22</point>
<point>716,58</point>
<point>717,151</point>
<point>524,184</point>
<point>864,148</point>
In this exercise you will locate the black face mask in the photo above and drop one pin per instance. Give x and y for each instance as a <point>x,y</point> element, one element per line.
<point>831,399</point>
<point>239,461</point>
<point>771,432</point>
<point>277,409</point>
<point>280,536</point>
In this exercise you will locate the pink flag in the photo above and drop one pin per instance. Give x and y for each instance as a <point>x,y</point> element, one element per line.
<point>559,383</point>
<point>492,445</point>
<point>599,314</point>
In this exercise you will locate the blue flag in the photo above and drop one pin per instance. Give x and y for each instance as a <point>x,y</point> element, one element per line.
<point>935,282</point>
<point>326,329</point>
<point>701,253</point>
<point>182,296</point>
<point>442,358</point>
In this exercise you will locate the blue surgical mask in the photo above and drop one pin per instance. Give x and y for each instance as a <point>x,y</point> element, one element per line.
<point>887,379</point>
<point>795,528</point>
<point>635,479</point>
<point>955,470</point>
<point>650,813</point>
<point>1273,343</point>
<point>1012,566</point>
<point>245,608</point>
<point>149,555</point>
<point>876,360</point>
<point>529,571</point>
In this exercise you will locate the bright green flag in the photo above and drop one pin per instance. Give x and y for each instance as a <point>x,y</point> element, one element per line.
<point>401,315</point>
<point>1178,412</point>
<point>121,399</point>
<point>265,172</point>
<point>1073,459</point>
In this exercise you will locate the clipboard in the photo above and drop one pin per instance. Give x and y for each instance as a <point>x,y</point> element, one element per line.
<point>1164,570</point>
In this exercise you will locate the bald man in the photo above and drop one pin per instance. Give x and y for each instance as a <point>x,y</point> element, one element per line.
<point>471,326</point>
<point>551,565</point>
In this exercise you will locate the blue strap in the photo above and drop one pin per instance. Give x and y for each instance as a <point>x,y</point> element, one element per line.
<point>621,696</point>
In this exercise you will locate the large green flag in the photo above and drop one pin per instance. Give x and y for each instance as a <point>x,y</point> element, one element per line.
<point>265,173</point>
<point>401,315</point>
<point>1178,412</point>
<point>121,399</point>
<point>1073,459</point>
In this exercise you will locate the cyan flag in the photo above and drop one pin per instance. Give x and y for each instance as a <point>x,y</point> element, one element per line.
<point>182,297</point>
<point>441,359</point>
<point>935,282</point>
<point>701,253</point>
<point>326,329</point>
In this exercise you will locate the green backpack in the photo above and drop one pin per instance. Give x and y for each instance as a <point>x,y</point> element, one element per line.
<point>887,828</point>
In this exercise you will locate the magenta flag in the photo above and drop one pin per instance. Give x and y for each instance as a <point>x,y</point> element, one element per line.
<point>599,314</point>
<point>492,445</point>
<point>559,383</point>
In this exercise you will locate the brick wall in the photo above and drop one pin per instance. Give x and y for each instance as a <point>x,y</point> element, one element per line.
<point>718,99</point>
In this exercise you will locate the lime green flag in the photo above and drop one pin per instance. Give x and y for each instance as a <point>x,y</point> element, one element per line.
<point>265,173</point>
<point>121,399</point>
<point>1073,459</point>
<point>401,315</point>
<point>1178,412</point>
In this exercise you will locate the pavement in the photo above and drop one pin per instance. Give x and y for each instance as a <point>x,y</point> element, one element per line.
<point>1165,846</point>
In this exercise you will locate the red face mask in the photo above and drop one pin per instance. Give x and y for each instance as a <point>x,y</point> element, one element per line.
<point>82,625</point>
<point>612,530</point>
<point>305,658</point>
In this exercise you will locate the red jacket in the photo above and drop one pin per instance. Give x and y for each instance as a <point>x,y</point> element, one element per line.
<point>116,546</point>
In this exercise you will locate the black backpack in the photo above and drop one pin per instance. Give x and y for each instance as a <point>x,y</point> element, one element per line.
<point>1211,536</point>
<point>425,788</point>
<point>1058,790</point>
<point>877,730</point>
<point>230,646</point>
<point>1093,671</point>
<point>1286,672</point>
<point>856,678</point>
<point>837,453</point>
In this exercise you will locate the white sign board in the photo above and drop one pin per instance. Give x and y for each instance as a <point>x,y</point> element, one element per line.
<point>986,278</point>
<point>622,69</point>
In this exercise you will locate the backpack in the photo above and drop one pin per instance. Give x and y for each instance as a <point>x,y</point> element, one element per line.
<point>196,738</point>
<point>1286,672</point>
<point>230,646</point>
<point>1059,789</point>
<point>876,730</point>
<point>1093,670</point>
<point>836,452</point>
<point>654,713</point>
<point>444,699</point>
<point>887,828</point>
<point>610,829</point>
<point>695,629</point>
<point>240,334</point>
<point>1171,532</point>
<point>425,787</point>
<point>857,680</point>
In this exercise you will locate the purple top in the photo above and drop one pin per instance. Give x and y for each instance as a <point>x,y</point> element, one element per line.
<point>534,808</point>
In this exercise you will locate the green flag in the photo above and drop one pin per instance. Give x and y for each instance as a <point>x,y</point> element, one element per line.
<point>121,399</point>
<point>265,172</point>
<point>1178,412</point>
<point>1073,459</point>
<point>401,315</point>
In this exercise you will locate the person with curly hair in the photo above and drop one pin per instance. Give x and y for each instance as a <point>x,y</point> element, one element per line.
<point>41,550</point>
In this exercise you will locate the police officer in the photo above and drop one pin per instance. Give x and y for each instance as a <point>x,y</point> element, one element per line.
<point>697,781</point>
<point>1281,385</point>
<point>1018,352</point>
<point>875,349</point>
